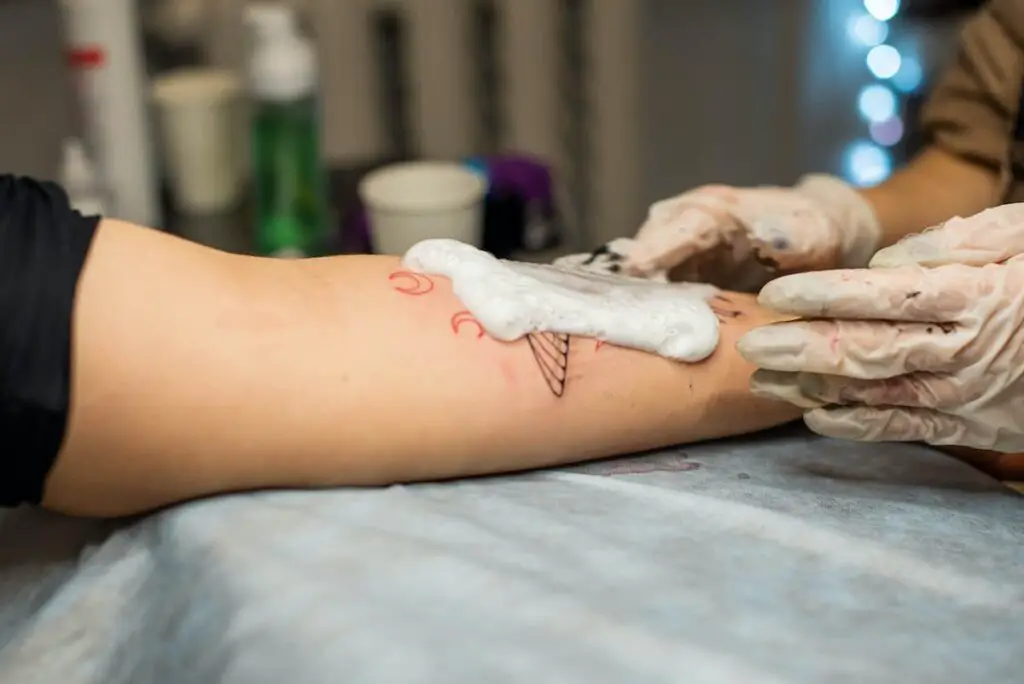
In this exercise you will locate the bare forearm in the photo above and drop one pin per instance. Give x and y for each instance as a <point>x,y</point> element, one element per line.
<point>933,188</point>
<point>197,373</point>
<point>490,406</point>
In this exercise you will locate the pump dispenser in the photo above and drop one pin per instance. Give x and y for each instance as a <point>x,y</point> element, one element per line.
<point>81,181</point>
<point>291,196</point>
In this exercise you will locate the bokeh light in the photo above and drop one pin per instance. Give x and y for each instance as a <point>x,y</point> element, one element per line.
<point>884,61</point>
<point>877,103</point>
<point>887,133</point>
<point>883,10</point>
<point>908,79</point>
<point>867,30</point>
<point>867,164</point>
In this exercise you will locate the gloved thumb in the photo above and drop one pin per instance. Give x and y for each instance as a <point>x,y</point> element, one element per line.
<point>992,236</point>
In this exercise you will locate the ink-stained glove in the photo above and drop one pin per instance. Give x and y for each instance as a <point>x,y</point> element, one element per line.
<point>741,238</point>
<point>606,260</point>
<point>925,345</point>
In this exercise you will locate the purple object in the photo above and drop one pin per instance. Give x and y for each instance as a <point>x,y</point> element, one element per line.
<point>358,231</point>
<point>524,177</point>
<point>520,212</point>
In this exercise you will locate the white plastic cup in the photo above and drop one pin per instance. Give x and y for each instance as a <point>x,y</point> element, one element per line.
<point>414,201</point>
<point>200,117</point>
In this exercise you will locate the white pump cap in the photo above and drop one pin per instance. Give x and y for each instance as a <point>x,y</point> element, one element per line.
<point>283,66</point>
<point>78,176</point>
<point>77,171</point>
<point>269,20</point>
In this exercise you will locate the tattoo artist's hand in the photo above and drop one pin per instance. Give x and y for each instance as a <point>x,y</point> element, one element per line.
<point>741,238</point>
<point>925,345</point>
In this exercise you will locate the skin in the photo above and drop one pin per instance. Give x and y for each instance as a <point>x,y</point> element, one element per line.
<point>197,372</point>
<point>908,202</point>
<point>1002,466</point>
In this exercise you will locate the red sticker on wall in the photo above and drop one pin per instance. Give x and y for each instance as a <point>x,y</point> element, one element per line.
<point>87,57</point>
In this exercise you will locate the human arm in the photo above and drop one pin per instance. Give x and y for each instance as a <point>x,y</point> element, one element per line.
<point>934,187</point>
<point>743,237</point>
<point>197,372</point>
<point>968,125</point>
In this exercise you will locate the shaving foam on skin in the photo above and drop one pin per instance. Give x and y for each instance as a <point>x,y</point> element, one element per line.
<point>511,299</point>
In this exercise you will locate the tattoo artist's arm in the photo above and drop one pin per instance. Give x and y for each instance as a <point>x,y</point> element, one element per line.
<point>968,122</point>
<point>197,372</point>
<point>933,188</point>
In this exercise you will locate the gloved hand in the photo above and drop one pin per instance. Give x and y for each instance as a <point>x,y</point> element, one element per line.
<point>742,238</point>
<point>606,259</point>
<point>925,345</point>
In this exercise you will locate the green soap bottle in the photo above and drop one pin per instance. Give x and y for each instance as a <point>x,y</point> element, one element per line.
<point>292,217</point>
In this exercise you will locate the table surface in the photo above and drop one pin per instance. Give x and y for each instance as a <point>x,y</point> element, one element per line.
<point>780,557</point>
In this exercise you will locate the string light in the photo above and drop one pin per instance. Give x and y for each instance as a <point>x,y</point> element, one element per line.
<point>909,77</point>
<point>868,162</point>
<point>882,10</point>
<point>877,103</point>
<point>884,61</point>
<point>887,133</point>
<point>867,30</point>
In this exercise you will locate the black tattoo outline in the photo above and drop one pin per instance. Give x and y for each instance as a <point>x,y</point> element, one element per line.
<point>551,352</point>
<point>723,313</point>
<point>603,251</point>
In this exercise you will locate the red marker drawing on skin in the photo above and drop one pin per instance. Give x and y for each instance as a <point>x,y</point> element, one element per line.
<point>410,283</point>
<point>464,317</point>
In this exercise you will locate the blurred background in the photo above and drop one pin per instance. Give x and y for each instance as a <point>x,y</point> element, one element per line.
<point>621,102</point>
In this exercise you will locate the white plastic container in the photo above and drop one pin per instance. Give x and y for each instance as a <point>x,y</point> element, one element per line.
<point>80,180</point>
<point>105,54</point>
<point>200,117</point>
<point>416,201</point>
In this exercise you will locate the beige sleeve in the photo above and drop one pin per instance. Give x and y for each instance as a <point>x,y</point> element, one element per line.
<point>974,106</point>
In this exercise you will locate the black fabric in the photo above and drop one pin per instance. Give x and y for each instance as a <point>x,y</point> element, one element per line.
<point>43,246</point>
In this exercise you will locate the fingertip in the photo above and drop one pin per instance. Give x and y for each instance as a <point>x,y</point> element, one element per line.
<point>989,237</point>
<point>637,269</point>
<point>761,383</point>
<point>887,258</point>
<point>781,386</point>
<point>776,346</point>
<point>916,250</point>
<point>830,423</point>
<point>787,294</point>
<point>770,295</point>
<point>749,344</point>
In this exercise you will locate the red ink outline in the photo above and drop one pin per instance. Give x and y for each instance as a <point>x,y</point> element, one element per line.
<point>419,280</point>
<point>460,317</point>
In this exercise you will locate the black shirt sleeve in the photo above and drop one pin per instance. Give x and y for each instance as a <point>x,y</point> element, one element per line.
<point>43,246</point>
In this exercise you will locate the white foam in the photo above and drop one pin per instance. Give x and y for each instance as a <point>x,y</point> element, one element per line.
<point>512,299</point>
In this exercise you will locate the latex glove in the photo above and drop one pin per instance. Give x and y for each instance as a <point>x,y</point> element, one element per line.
<point>742,238</point>
<point>926,345</point>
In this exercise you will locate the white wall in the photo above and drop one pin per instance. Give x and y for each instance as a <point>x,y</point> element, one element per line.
<point>35,103</point>
<point>721,88</point>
